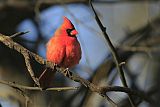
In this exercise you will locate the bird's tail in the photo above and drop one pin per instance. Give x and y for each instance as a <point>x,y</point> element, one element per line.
<point>46,78</point>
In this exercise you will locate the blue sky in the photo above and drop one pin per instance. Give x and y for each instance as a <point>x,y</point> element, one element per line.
<point>93,45</point>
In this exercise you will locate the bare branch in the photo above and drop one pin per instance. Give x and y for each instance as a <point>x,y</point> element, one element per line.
<point>66,72</point>
<point>25,4</point>
<point>140,48</point>
<point>113,51</point>
<point>18,34</point>
<point>17,86</point>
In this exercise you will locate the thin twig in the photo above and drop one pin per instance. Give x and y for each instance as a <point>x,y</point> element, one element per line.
<point>113,51</point>
<point>141,94</point>
<point>18,34</point>
<point>29,67</point>
<point>17,86</point>
<point>140,48</point>
<point>111,101</point>
<point>66,72</point>
<point>62,88</point>
<point>19,90</point>
<point>24,52</point>
<point>102,89</point>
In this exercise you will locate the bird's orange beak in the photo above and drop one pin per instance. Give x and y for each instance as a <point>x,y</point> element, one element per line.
<point>74,32</point>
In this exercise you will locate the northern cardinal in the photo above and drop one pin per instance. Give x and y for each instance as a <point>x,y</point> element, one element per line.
<point>63,49</point>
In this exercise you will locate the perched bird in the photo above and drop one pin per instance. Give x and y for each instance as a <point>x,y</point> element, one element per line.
<point>63,49</point>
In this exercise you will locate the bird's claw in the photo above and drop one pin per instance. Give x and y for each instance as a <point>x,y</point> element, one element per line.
<point>65,71</point>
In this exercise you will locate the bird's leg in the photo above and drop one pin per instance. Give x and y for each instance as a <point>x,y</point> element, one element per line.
<point>46,77</point>
<point>42,74</point>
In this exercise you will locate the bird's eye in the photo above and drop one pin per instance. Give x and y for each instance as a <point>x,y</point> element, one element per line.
<point>69,31</point>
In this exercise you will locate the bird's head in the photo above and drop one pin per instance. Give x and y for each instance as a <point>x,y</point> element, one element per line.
<point>68,27</point>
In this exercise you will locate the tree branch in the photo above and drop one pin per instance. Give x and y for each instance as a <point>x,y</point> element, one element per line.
<point>18,34</point>
<point>113,51</point>
<point>140,48</point>
<point>6,40</point>
<point>17,86</point>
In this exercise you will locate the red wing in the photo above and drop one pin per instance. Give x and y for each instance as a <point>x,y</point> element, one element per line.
<point>56,52</point>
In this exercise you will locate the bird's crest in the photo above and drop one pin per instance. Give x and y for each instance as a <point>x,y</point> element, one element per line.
<point>67,23</point>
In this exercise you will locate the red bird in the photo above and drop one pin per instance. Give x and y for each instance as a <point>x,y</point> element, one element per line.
<point>63,49</point>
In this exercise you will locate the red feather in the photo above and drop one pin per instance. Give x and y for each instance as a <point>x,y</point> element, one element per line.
<point>63,49</point>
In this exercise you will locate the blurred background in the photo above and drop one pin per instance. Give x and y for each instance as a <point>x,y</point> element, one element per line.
<point>132,25</point>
